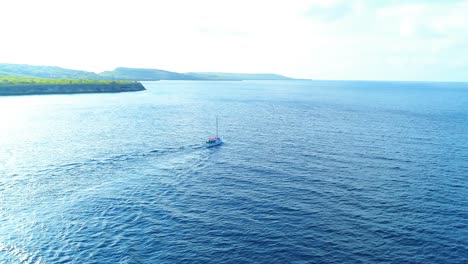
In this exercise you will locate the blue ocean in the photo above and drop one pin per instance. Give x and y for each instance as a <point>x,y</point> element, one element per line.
<point>309,172</point>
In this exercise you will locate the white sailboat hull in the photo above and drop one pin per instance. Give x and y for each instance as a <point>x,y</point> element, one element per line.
<point>214,141</point>
<point>214,144</point>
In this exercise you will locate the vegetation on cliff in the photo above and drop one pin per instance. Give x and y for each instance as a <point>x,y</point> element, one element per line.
<point>29,86</point>
<point>22,81</point>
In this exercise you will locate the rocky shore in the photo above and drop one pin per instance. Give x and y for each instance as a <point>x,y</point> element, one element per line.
<point>70,88</point>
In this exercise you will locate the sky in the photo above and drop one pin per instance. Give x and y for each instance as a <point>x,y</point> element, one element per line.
<point>314,39</point>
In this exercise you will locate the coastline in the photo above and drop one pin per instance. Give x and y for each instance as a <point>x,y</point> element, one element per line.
<point>39,89</point>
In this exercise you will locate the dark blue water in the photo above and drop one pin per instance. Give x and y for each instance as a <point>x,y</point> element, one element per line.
<point>310,172</point>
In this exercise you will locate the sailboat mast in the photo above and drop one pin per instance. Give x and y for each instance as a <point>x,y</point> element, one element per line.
<point>216,126</point>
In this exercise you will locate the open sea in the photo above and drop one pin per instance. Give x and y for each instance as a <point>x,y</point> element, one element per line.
<point>310,172</point>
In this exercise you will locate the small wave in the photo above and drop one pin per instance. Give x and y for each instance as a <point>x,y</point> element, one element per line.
<point>17,254</point>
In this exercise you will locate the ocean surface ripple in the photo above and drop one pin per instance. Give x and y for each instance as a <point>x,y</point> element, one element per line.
<point>310,172</point>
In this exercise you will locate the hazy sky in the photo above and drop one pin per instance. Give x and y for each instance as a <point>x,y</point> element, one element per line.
<point>348,39</point>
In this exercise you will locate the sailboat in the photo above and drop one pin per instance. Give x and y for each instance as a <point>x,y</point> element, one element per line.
<point>214,141</point>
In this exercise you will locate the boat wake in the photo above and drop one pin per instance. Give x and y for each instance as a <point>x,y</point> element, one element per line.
<point>120,160</point>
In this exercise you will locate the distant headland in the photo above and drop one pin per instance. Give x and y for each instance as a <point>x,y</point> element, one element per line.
<point>128,74</point>
<point>23,79</point>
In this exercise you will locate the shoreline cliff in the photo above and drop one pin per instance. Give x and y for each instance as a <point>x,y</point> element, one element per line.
<point>38,89</point>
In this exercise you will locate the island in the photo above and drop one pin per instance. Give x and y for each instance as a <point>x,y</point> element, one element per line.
<point>34,86</point>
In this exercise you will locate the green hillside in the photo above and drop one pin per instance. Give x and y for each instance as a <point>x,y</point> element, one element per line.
<point>237,76</point>
<point>121,73</point>
<point>145,75</point>
<point>49,72</point>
